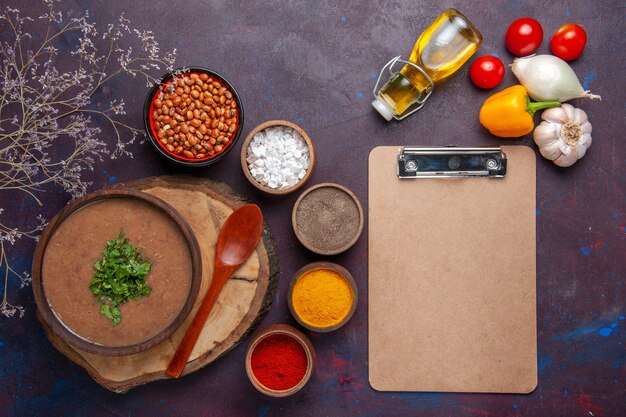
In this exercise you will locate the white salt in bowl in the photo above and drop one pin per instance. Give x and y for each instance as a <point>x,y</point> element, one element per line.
<point>286,164</point>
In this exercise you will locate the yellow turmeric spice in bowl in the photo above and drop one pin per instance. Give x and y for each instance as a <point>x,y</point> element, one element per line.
<point>322,299</point>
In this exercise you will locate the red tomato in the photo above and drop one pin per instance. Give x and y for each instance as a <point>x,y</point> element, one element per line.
<point>568,42</point>
<point>524,36</point>
<point>487,71</point>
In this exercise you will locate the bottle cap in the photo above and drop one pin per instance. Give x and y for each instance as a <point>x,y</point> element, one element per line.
<point>383,108</point>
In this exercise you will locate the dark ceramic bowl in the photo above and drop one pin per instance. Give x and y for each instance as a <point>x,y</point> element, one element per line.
<point>148,108</point>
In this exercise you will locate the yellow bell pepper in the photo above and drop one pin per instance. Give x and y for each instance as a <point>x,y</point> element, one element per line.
<point>509,113</point>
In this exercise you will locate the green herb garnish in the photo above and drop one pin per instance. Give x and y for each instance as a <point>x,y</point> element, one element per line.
<point>120,276</point>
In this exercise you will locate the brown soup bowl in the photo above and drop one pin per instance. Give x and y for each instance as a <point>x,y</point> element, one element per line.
<point>63,267</point>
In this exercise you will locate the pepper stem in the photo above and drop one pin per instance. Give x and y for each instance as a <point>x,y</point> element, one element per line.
<point>532,107</point>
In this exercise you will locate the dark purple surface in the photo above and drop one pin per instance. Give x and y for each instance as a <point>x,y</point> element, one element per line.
<point>315,64</point>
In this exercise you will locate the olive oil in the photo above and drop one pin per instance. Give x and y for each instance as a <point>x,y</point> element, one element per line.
<point>440,51</point>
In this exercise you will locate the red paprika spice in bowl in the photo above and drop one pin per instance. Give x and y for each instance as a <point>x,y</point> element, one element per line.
<point>280,360</point>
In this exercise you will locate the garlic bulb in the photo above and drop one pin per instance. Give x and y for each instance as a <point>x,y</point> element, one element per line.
<point>564,135</point>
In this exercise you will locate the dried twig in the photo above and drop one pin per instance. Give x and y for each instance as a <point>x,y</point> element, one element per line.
<point>42,107</point>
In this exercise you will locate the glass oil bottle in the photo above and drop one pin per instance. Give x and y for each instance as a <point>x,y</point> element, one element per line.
<point>439,52</point>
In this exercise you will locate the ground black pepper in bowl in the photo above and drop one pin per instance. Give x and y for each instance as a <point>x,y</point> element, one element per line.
<point>327,219</point>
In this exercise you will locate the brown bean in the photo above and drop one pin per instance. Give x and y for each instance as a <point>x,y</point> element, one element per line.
<point>198,118</point>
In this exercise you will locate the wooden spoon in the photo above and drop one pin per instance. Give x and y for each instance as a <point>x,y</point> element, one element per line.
<point>237,240</point>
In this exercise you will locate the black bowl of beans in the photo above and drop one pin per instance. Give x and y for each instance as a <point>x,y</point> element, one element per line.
<point>193,116</point>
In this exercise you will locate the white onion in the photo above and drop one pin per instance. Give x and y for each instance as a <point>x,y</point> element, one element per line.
<point>548,78</point>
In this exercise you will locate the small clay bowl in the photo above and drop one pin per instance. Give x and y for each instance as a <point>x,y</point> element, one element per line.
<point>318,211</point>
<point>244,155</point>
<point>304,341</point>
<point>323,265</point>
<point>148,107</point>
<point>50,317</point>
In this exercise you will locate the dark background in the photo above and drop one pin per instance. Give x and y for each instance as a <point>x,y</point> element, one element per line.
<point>315,63</point>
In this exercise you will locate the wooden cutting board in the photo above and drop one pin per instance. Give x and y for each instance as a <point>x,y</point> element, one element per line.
<point>242,304</point>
